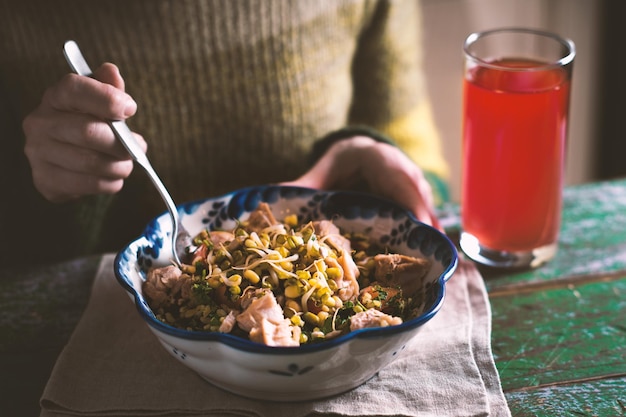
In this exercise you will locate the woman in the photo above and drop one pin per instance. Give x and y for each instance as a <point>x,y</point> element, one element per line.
<point>222,94</point>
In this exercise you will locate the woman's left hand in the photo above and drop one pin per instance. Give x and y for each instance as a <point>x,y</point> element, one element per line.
<point>385,169</point>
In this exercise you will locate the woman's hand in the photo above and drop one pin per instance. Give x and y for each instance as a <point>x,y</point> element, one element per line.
<point>385,169</point>
<point>71,149</point>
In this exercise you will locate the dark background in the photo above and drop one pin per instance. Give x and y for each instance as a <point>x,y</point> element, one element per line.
<point>611,137</point>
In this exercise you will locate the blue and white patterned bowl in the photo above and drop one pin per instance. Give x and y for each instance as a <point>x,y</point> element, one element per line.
<point>290,373</point>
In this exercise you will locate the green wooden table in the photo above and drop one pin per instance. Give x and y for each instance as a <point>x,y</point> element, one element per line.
<point>558,336</point>
<point>559,332</point>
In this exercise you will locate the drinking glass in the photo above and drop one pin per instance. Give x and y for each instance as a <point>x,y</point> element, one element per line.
<point>516,92</point>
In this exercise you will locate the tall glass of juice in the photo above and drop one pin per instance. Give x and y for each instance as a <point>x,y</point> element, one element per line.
<point>516,92</point>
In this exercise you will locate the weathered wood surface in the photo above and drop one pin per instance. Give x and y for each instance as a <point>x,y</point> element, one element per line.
<point>562,342</point>
<point>600,398</point>
<point>559,332</point>
<point>592,239</point>
<point>558,335</point>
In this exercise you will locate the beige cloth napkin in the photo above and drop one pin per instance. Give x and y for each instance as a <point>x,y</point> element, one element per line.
<point>113,366</point>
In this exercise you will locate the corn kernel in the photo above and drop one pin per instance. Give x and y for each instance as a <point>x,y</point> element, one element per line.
<point>293,305</point>
<point>321,292</point>
<point>333,272</point>
<point>320,265</point>
<point>311,318</point>
<point>328,301</point>
<point>332,285</point>
<point>294,241</point>
<point>322,316</point>
<point>251,276</point>
<point>303,274</point>
<point>287,265</point>
<point>273,256</point>
<point>234,280</point>
<point>190,269</point>
<point>314,283</point>
<point>292,291</point>
<point>297,321</point>
<point>291,220</point>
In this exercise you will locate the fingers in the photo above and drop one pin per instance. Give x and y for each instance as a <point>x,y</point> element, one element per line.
<point>387,171</point>
<point>403,181</point>
<point>63,171</point>
<point>70,129</point>
<point>109,74</point>
<point>80,160</point>
<point>70,146</point>
<point>339,167</point>
<point>58,184</point>
<point>75,93</point>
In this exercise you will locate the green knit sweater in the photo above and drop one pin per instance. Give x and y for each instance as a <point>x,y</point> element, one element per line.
<point>230,93</point>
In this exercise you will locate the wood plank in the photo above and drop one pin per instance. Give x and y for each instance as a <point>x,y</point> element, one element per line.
<point>560,335</point>
<point>593,235</point>
<point>599,398</point>
<point>592,239</point>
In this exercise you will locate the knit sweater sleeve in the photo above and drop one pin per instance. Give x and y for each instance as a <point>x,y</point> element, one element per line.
<point>390,92</point>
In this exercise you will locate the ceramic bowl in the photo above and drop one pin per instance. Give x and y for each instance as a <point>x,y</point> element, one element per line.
<point>290,373</point>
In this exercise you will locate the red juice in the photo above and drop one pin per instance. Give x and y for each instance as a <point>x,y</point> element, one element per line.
<point>514,136</point>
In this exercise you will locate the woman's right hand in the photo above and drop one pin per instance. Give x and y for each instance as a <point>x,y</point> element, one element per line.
<point>71,149</point>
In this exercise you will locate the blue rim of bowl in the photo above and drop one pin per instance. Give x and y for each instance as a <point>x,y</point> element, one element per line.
<point>242,344</point>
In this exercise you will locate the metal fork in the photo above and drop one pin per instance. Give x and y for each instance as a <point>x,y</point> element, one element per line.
<point>181,239</point>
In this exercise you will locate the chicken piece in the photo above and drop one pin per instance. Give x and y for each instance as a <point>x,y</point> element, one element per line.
<point>347,284</point>
<point>372,318</point>
<point>261,218</point>
<point>263,319</point>
<point>260,305</point>
<point>225,239</point>
<point>330,233</point>
<point>248,296</point>
<point>229,322</point>
<point>271,334</point>
<point>219,237</point>
<point>404,271</point>
<point>163,286</point>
